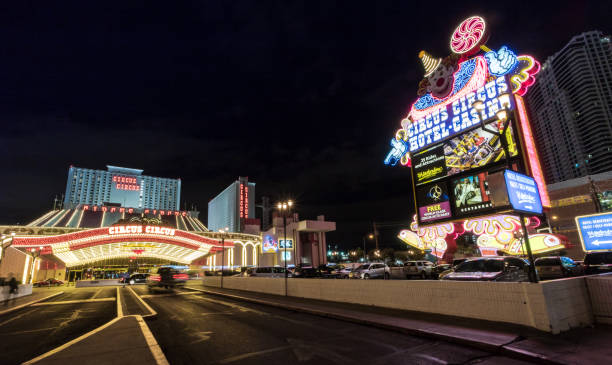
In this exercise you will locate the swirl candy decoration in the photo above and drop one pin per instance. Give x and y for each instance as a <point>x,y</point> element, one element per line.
<point>468,36</point>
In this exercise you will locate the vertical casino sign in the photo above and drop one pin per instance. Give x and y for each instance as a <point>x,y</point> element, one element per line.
<point>468,122</point>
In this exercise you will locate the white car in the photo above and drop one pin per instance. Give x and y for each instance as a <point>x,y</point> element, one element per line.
<point>371,271</point>
<point>421,269</point>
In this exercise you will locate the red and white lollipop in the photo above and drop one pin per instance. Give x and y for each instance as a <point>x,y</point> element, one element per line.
<point>468,36</point>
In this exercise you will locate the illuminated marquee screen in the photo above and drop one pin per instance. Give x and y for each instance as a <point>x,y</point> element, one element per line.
<point>126,183</point>
<point>433,202</point>
<point>471,194</point>
<point>471,150</point>
<point>452,119</point>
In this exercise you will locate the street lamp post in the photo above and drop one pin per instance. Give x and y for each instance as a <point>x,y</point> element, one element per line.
<point>370,236</point>
<point>284,207</point>
<point>223,230</point>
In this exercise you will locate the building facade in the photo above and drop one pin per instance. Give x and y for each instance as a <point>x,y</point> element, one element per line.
<point>121,186</point>
<point>234,207</point>
<point>581,196</point>
<point>571,109</point>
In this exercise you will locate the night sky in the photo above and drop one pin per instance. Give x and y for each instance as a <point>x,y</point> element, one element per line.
<point>301,97</point>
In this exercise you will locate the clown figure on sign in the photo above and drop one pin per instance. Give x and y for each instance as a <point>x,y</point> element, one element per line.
<point>439,75</point>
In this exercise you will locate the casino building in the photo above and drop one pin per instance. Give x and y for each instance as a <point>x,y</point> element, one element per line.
<point>114,222</point>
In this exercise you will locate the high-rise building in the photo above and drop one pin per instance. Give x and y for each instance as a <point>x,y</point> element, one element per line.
<point>121,186</point>
<point>571,109</point>
<point>234,207</point>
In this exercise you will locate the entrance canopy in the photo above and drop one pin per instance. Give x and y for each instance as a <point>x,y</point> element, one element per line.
<point>121,241</point>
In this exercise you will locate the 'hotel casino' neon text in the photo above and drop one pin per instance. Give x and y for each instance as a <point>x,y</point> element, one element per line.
<point>454,118</point>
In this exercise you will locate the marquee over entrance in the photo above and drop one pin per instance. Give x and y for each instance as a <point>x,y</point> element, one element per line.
<point>126,241</point>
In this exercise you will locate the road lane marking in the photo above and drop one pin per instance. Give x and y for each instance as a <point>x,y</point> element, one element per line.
<point>30,303</point>
<point>70,343</point>
<point>152,313</point>
<point>16,317</point>
<point>27,331</point>
<point>168,295</point>
<point>228,304</point>
<point>96,293</point>
<point>156,351</point>
<point>119,308</point>
<point>75,301</point>
<point>227,360</point>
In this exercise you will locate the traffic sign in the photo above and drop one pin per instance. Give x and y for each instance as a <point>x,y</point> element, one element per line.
<point>595,231</point>
<point>523,192</point>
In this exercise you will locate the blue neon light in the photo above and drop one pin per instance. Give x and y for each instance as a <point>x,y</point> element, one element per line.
<point>399,149</point>
<point>462,77</point>
<point>501,62</point>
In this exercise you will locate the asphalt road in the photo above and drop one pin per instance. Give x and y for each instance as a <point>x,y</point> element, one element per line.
<point>204,329</point>
<point>34,330</point>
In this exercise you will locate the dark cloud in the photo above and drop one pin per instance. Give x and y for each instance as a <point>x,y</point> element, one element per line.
<point>300,96</point>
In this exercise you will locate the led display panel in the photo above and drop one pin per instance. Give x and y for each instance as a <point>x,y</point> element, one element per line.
<point>433,202</point>
<point>429,165</point>
<point>471,150</point>
<point>471,194</point>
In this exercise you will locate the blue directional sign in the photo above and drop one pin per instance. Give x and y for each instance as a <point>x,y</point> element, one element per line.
<point>523,192</point>
<point>595,231</point>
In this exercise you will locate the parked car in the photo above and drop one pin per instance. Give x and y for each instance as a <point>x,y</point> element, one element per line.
<point>341,272</point>
<point>492,268</point>
<point>49,282</point>
<point>398,271</point>
<point>598,262</point>
<point>439,269</point>
<point>555,267</point>
<point>166,277</point>
<point>264,272</point>
<point>420,269</point>
<point>371,271</point>
<point>305,272</point>
<point>135,278</point>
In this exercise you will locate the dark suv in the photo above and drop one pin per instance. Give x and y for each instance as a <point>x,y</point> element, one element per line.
<point>166,277</point>
<point>597,262</point>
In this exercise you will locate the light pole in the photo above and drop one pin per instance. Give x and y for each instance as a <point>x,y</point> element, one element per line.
<point>223,231</point>
<point>284,208</point>
<point>370,236</point>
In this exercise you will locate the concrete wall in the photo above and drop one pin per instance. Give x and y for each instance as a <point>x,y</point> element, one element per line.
<point>22,291</point>
<point>600,289</point>
<point>552,306</point>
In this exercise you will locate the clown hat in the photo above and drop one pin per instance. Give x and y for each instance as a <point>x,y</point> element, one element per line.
<point>429,62</point>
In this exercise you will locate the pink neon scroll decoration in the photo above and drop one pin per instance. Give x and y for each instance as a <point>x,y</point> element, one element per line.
<point>468,36</point>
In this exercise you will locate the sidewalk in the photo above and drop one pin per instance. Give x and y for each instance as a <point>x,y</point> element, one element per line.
<point>37,295</point>
<point>124,340</point>
<point>579,346</point>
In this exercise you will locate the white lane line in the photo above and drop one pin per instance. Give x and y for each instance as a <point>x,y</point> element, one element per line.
<point>30,303</point>
<point>96,293</point>
<point>119,308</point>
<point>156,351</point>
<point>151,311</point>
<point>75,301</point>
<point>70,343</point>
<point>16,317</point>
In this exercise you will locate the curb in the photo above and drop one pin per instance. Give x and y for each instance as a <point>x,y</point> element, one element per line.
<point>504,350</point>
<point>30,303</point>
